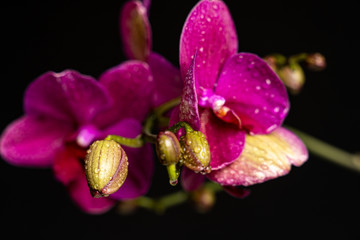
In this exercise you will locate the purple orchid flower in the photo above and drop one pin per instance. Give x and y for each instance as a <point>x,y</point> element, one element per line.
<point>65,112</point>
<point>136,36</point>
<point>236,100</point>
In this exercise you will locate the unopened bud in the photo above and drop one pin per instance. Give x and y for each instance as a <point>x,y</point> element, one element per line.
<point>203,199</point>
<point>168,148</point>
<point>195,151</point>
<point>315,61</point>
<point>106,167</point>
<point>293,77</point>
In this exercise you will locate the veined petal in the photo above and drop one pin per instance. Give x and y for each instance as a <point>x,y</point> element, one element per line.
<point>168,84</point>
<point>226,140</point>
<point>135,30</point>
<point>254,92</point>
<point>141,162</point>
<point>68,96</point>
<point>189,111</point>
<point>209,29</point>
<point>264,157</point>
<point>80,194</point>
<point>33,141</point>
<point>131,86</point>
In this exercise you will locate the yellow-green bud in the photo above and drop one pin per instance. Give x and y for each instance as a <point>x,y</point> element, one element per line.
<point>106,167</point>
<point>195,151</point>
<point>168,148</point>
<point>293,77</point>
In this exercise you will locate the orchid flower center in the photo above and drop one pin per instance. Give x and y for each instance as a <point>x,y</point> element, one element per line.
<point>209,99</point>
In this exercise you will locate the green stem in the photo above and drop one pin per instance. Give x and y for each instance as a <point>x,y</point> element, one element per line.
<point>329,152</point>
<point>129,142</point>
<point>160,205</point>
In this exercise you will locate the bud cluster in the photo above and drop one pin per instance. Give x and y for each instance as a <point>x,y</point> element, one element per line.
<point>191,150</point>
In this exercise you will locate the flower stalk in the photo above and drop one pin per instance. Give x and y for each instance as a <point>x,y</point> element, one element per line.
<point>328,151</point>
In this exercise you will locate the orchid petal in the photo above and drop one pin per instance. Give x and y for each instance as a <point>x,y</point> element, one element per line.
<point>254,92</point>
<point>135,30</point>
<point>80,194</point>
<point>226,140</point>
<point>131,86</point>
<point>189,111</point>
<point>264,157</point>
<point>190,181</point>
<point>141,162</point>
<point>168,84</point>
<point>68,96</point>
<point>68,164</point>
<point>33,141</point>
<point>209,29</point>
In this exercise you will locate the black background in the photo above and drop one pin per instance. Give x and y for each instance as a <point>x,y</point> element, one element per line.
<point>319,199</point>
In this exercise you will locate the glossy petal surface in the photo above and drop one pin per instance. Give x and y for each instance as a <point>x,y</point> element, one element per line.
<point>33,141</point>
<point>168,84</point>
<point>135,30</point>
<point>131,87</point>
<point>254,92</point>
<point>264,157</point>
<point>209,29</point>
<point>226,140</point>
<point>68,96</point>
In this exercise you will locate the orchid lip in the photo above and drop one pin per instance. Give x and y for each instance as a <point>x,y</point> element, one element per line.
<point>209,99</point>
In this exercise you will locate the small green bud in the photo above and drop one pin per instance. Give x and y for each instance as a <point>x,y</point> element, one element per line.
<point>168,148</point>
<point>106,167</point>
<point>195,151</point>
<point>293,77</point>
<point>315,61</point>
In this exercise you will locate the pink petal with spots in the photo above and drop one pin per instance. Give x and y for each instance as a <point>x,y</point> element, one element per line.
<point>254,92</point>
<point>189,111</point>
<point>209,29</point>
<point>33,141</point>
<point>264,157</point>
<point>226,140</point>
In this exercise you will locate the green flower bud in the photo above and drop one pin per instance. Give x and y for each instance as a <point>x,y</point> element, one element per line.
<point>106,167</point>
<point>293,77</point>
<point>168,148</point>
<point>195,151</point>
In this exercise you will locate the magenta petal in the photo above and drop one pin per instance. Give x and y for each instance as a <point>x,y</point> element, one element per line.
<point>131,86</point>
<point>209,29</point>
<point>168,84</point>
<point>189,111</point>
<point>190,181</point>
<point>135,30</point>
<point>80,194</point>
<point>226,140</point>
<point>68,96</point>
<point>141,162</point>
<point>254,92</point>
<point>31,141</point>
